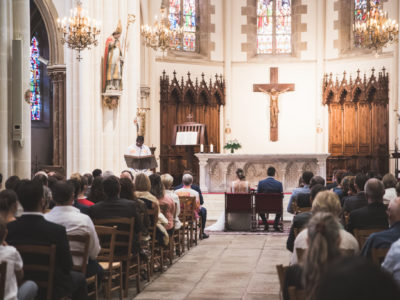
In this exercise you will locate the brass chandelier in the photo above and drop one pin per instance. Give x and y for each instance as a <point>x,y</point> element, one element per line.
<point>79,31</point>
<point>160,36</point>
<point>377,31</point>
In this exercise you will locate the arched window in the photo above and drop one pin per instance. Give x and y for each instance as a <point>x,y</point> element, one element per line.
<point>36,103</point>
<point>274,27</point>
<point>184,13</point>
<point>361,9</point>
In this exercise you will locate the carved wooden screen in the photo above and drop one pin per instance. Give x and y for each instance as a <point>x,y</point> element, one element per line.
<point>358,123</point>
<point>179,100</point>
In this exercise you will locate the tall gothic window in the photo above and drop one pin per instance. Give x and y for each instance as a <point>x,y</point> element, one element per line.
<point>183,13</point>
<point>36,103</point>
<point>274,27</point>
<point>361,9</point>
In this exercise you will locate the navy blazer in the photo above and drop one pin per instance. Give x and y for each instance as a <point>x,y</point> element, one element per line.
<point>269,185</point>
<point>36,230</point>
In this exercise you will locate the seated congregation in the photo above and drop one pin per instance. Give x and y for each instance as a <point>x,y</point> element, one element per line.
<point>69,239</point>
<point>344,238</point>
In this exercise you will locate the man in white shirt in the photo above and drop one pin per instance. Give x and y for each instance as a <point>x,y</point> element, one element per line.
<point>186,190</point>
<point>139,149</point>
<point>76,223</point>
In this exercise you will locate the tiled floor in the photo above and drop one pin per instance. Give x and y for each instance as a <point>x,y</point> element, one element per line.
<point>224,267</point>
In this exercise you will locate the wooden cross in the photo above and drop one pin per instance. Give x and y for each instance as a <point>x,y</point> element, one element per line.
<point>273,89</point>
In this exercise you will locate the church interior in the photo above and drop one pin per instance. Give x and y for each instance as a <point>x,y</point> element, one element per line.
<point>247,149</point>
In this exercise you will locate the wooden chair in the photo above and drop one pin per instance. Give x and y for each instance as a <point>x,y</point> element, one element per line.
<point>123,249</point>
<point>362,235</point>
<point>3,272</point>
<point>298,210</point>
<point>155,249</point>
<point>269,203</point>
<point>188,218</point>
<point>237,203</point>
<point>281,270</point>
<point>301,253</point>
<point>296,231</point>
<point>34,266</point>
<point>112,269</point>
<point>295,294</point>
<point>167,252</point>
<point>379,254</point>
<point>82,256</point>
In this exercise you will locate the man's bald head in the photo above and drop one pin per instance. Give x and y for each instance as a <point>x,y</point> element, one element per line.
<point>374,190</point>
<point>394,211</point>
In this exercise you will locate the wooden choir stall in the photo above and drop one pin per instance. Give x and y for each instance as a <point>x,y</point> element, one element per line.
<point>189,118</point>
<point>358,122</point>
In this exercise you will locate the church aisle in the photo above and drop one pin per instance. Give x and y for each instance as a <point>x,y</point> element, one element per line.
<point>224,267</point>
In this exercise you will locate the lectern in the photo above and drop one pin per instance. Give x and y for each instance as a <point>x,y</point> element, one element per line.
<point>141,162</point>
<point>189,135</point>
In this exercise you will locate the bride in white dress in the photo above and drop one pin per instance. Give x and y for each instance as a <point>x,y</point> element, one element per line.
<point>240,185</point>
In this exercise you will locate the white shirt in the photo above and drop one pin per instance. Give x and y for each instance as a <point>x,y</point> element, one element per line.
<point>75,223</point>
<point>392,261</point>
<point>390,194</point>
<point>14,263</point>
<point>347,241</point>
<point>188,192</point>
<point>175,197</point>
<point>138,151</point>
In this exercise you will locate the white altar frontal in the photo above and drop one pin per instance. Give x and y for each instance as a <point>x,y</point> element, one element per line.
<point>217,171</point>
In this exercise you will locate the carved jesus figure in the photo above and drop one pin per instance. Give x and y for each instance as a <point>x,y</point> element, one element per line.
<point>273,105</point>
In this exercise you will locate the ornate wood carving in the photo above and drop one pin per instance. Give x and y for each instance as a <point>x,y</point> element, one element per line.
<point>178,99</point>
<point>358,122</point>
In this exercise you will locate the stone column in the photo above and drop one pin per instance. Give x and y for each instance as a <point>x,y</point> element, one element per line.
<point>322,167</point>
<point>4,57</point>
<point>203,172</point>
<point>21,30</point>
<point>57,75</point>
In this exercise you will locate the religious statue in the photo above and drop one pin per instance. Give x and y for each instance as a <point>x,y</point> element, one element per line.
<point>114,56</point>
<point>274,109</point>
<point>113,61</point>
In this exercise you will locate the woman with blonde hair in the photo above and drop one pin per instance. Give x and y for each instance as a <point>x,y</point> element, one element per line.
<point>323,238</point>
<point>143,186</point>
<point>325,201</point>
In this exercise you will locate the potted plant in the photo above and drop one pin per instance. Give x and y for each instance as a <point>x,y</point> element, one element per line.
<point>233,145</point>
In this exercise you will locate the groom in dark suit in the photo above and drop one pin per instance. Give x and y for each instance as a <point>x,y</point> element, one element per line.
<point>270,185</point>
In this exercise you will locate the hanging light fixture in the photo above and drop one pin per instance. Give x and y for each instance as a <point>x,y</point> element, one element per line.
<point>79,31</point>
<point>160,36</point>
<point>376,31</point>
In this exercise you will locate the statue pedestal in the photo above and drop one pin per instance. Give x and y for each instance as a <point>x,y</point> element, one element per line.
<point>111,98</point>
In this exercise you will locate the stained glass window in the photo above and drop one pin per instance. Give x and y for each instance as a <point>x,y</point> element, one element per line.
<point>183,13</point>
<point>274,27</point>
<point>361,8</point>
<point>36,105</point>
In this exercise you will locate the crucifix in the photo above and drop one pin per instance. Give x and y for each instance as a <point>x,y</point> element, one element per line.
<point>273,89</point>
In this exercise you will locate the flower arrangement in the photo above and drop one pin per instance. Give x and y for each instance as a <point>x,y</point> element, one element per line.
<point>233,145</point>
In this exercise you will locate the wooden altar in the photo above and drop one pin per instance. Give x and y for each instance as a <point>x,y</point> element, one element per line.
<point>179,99</point>
<point>358,122</point>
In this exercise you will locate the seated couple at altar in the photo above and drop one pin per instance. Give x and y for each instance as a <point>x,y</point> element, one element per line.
<point>240,185</point>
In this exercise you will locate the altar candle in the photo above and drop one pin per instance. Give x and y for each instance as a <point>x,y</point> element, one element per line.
<point>211,148</point>
<point>201,148</point>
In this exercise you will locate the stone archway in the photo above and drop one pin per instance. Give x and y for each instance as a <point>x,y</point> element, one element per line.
<point>57,71</point>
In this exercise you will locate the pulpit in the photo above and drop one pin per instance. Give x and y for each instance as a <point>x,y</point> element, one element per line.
<point>189,138</point>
